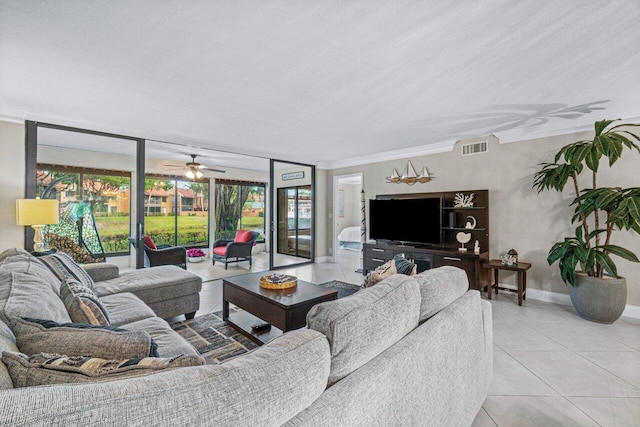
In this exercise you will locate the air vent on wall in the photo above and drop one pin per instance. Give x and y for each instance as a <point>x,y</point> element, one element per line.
<point>475,148</point>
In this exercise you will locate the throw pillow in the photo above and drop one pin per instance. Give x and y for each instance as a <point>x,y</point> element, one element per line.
<point>80,339</point>
<point>82,303</point>
<point>29,296</point>
<point>69,246</point>
<point>382,272</point>
<point>243,236</point>
<point>404,266</point>
<point>44,369</point>
<point>148,241</point>
<point>62,265</point>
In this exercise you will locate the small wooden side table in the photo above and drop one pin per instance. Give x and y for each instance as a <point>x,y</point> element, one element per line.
<point>521,269</point>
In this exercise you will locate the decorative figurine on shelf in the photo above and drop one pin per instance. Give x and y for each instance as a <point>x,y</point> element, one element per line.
<point>509,258</point>
<point>463,238</point>
<point>471,224</point>
<point>462,201</point>
<point>476,248</point>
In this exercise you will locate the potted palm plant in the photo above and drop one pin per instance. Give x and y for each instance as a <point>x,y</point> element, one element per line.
<point>597,292</point>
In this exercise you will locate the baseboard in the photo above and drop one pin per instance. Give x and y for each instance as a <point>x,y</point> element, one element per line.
<point>323,259</point>
<point>565,299</point>
<point>548,296</point>
<point>632,311</point>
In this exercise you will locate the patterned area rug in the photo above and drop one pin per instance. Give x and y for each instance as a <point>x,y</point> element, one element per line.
<point>216,341</point>
<point>344,289</point>
<point>213,338</point>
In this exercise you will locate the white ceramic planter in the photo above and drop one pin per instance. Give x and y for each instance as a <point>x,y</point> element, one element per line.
<point>195,258</point>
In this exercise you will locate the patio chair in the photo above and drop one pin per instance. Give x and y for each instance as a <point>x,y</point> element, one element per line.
<point>236,250</point>
<point>161,254</point>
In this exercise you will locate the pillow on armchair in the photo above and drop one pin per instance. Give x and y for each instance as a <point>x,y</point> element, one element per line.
<point>243,236</point>
<point>148,241</point>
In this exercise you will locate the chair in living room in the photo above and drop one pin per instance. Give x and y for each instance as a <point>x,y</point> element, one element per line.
<point>236,250</point>
<point>155,255</point>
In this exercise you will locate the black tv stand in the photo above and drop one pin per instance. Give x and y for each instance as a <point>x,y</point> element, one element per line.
<point>376,254</point>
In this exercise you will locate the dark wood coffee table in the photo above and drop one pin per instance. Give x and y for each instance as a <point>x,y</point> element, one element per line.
<point>283,309</point>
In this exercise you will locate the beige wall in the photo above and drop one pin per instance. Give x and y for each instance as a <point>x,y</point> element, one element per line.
<point>351,206</point>
<point>12,166</point>
<point>519,217</point>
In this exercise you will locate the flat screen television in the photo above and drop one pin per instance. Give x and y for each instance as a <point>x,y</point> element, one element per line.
<point>406,220</point>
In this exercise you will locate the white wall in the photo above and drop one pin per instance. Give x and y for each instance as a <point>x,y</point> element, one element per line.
<point>519,217</point>
<point>352,206</point>
<point>12,176</point>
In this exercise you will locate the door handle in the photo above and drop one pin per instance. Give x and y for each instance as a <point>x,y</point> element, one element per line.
<point>377,250</point>
<point>377,259</point>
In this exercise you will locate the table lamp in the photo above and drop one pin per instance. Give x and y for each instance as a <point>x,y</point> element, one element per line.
<point>37,213</point>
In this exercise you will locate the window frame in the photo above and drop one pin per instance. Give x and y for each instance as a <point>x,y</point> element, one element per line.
<point>81,172</point>
<point>236,182</point>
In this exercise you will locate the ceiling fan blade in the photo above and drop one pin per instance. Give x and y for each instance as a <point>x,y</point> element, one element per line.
<point>215,170</point>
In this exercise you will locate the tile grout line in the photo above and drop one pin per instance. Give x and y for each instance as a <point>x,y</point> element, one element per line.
<point>533,373</point>
<point>605,369</point>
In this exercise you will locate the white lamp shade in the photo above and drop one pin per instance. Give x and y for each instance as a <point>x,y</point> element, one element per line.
<point>36,211</point>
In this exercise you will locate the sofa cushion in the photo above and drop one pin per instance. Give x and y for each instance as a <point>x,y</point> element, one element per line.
<point>62,265</point>
<point>78,339</point>
<point>154,284</point>
<point>220,250</point>
<point>7,343</point>
<point>45,369</point>
<point>100,271</point>
<point>82,304</point>
<point>170,344</point>
<point>11,252</point>
<point>126,308</point>
<point>31,296</point>
<point>28,264</point>
<point>439,287</point>
<point>363,325</point>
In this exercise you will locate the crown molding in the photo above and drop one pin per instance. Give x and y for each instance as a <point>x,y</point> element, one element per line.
<point>505,137</point>
<point>583,125</point>
<point>8,114</point>
<point>438,147</point>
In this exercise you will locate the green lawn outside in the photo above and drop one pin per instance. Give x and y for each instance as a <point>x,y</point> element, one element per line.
<point>114,230</point>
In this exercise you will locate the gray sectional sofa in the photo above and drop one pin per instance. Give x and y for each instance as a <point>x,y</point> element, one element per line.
<point>411,350</point>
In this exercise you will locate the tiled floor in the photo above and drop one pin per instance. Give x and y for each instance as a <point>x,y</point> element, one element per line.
<point>551,368</point>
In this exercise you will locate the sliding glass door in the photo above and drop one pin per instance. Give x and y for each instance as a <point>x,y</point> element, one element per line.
<point>294,221</point>
<point>292,218</point>
<point>94,176</point>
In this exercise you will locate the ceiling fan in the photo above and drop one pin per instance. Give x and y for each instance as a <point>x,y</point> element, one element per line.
<point>194,169</point>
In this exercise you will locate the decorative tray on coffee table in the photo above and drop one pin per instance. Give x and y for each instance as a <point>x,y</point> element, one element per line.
<point>278,281</point>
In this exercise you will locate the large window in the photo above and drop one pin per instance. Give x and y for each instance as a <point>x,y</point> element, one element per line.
<point>239,206</point>
<point>103,198</point>
<point>176,211</point>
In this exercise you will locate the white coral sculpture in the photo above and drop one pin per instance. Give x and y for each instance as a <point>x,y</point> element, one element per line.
<point>462,201</point>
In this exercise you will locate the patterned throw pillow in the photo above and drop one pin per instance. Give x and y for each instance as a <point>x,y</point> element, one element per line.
<point>382,272</point>
<point>62,265</point>
<point>82,303</point>
<point>79,339</point>
<point>404,266</point>
<point>44,369</point>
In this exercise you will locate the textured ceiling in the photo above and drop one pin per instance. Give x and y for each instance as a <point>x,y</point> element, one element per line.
<point>321,81</point>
